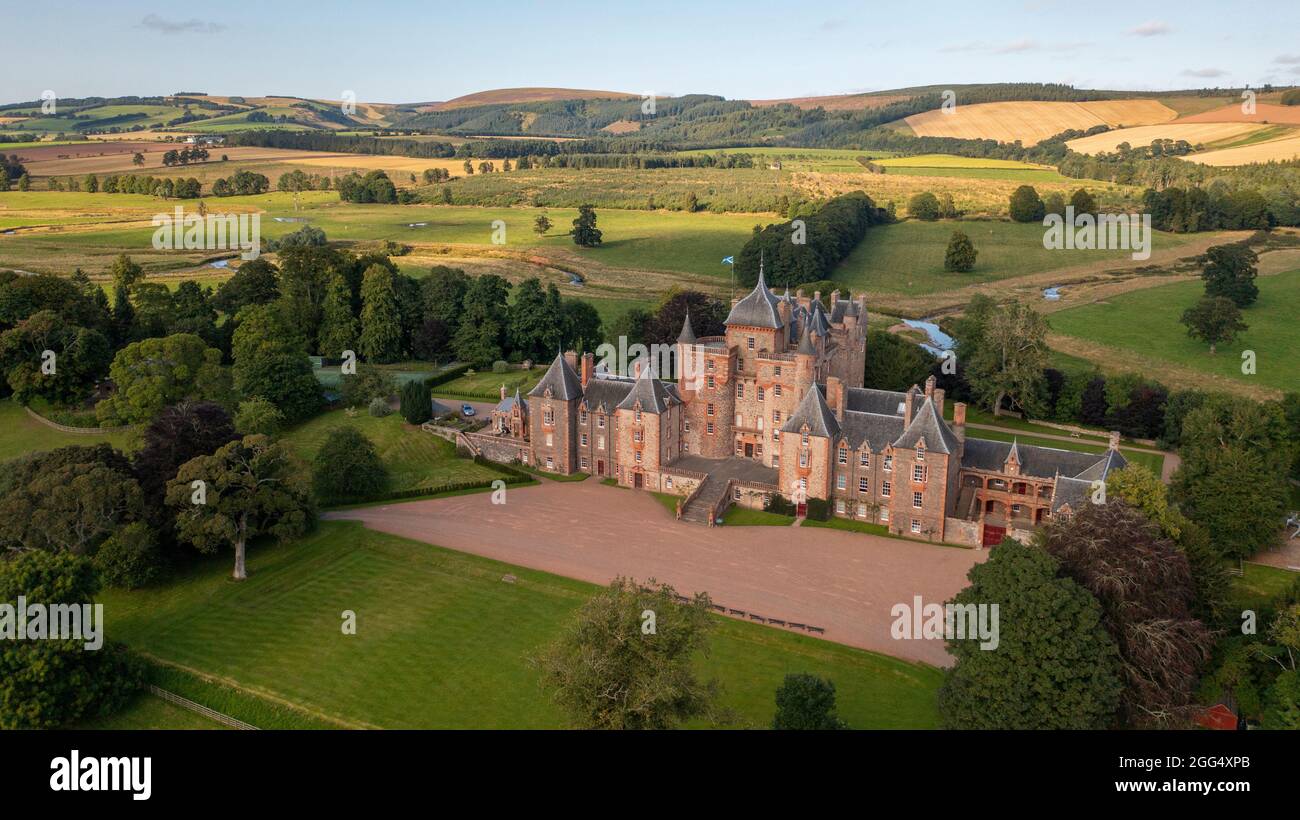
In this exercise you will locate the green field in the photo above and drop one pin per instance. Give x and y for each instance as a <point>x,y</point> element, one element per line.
<point>415,459</point>
<point>442,642</point>
<point>485,382</point>
<point>148,711</point>
<point>948,165</point>
<point>907,257</point>
<point>21,434</point>
<point>1147,322</point>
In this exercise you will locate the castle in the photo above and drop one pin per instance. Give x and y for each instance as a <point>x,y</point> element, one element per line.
<point>776,406</point>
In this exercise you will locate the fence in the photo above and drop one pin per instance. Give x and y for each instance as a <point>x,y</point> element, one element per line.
<point>83,431</point>
<point>198,708</point>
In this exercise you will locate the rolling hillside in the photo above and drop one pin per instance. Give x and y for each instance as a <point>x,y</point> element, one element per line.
<point>1031,122</point>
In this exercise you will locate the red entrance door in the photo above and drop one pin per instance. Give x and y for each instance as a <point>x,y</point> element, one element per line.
<point>636,480</point>
<point>749,451</point>
<point>801,509</point>
<point>993,535</point>
<point>600,466</point>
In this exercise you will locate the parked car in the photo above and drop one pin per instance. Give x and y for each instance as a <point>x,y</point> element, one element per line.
<point>466,410</point>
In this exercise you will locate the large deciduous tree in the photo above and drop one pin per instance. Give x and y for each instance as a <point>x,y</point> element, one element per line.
<point>1214,320</point>
<point>1054,667</point>
<point>1146,590</point>
<point>154,373</point>
<point>805,701</point>
<point>1229,271</point>
<point>627,660</point>
<point>250,487</point>
<point>1004,359</point>
<point>348,468</point>
<point>381,318</point>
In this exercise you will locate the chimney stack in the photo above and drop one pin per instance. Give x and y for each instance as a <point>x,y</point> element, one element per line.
<point>572,358</point>
<point>835,297</point>
<point>588,367</point>
<point>503,391</point>
<point>938,400</point>
<point>1114,440</point>
<point>835,396</point>
<point>907,407</point>
<point>959,419</point>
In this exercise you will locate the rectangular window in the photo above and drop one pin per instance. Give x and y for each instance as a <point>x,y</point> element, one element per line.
<point>638,456</point>
<point>550,440</point>
<point>864,459</point>
<point>776,459</point>
<point>688,425</point>
<point>803,458</point>
<point>776,371</point>
<point>758,448</point>
<point>548,416</point>
<point>710,382</point>
<point>583,439</point>
<point>804,439</point>
<point>637,414</point>
<point>735,494</point>
<point>920,453</point>
<point>582,417</point>
<point>550,463</point>
<point>760,394</point>
<point>839,506</point>
<point>584,462</point>
<point>884,515</point>
<point>917,501</point>
<point>862,511</point>
<point>740,390</point>
<point>668,482</point>
<point>636,436</point>
<point>889,464</point>
<point>708,365</point>
<point>776,388</point>
<point>749,342</point>
<point>739,447</point>
<point>600,421</point>
<point>862,485</point>
<point>841,482</point>
<point>844,455</point>
<point>884,489</point>
<point>708,409</point>
<point>708,428</point>
<point>918,473</point>
<point>803,483</point>
<point>916,525</point>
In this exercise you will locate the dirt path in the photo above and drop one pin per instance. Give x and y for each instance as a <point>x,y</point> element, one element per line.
<point>845,582</point>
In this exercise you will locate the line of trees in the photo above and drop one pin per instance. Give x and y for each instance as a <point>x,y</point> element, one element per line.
<point>807,252</point>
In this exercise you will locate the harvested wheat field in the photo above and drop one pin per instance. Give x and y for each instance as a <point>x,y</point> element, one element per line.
<point>1271,151</point>
<point>1264,113</point>
<point>1194,133</point>
<point>1031,122</point>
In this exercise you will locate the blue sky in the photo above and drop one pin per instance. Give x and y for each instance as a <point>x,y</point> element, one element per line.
<point>402,51</point>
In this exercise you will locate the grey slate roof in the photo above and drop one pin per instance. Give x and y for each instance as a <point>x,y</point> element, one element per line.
<point>507,404</point>
<point>1112,461</point>
<point>604,395</point>
<point>1040,462</point>
<point>870,400</point>
<point>805,343</point>
<point>560,378</point>
<point>877,430</point>
<point>927,425</point>
<point>687,336</point>
<point>758,309</point>
<point>814,412</point>
<point>652,394</point>
<point>1072,491</point>
<point>842,308</point>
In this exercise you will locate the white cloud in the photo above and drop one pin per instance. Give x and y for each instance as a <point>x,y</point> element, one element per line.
<point>1151,28</point>
<point>1204,73</point>
<point>1287,59</point>
<point>191,26</point>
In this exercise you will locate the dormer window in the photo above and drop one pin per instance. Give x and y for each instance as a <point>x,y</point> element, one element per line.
<point>889,463</point>
<point>920,452</point>
<point>636,413</point>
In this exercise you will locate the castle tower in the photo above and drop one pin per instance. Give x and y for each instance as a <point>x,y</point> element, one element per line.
<point>552,418</point>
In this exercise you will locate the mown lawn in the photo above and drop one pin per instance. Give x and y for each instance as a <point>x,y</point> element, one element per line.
<point>20,434</point>
<point>486,385</point>
<point>442,642</point>
<point>415,459</point>
<point>148,711</point>
<point>745,517</point>
<point>1259,584</point>
<point>1147,322</point>
<point>907,257</point>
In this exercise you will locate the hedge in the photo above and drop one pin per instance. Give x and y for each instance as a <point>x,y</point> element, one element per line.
<point>512,476</point>
<point>448,375</point>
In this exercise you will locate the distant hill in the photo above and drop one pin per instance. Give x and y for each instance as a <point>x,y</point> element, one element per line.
<point>499,96</point>
<point>838,102</point>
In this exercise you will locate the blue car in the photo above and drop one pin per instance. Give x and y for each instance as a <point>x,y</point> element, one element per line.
<point>465,409</point>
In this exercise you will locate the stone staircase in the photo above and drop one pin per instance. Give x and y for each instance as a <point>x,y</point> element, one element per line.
<point>711,492</point>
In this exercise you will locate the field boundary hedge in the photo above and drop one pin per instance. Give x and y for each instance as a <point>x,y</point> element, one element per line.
<point>509,474</point>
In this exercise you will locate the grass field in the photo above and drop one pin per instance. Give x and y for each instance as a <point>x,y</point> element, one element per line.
<point>1147,322</point>
<point>486,382</point>
<point>415,459</point>
<point>948,165</point>
<point>907,257</point>
<point>1258,585</point>
<point>21,434</point>
<point>148,711</point>
<point>442,642</point>
<point>737,516</point>
<point>1030,122</point>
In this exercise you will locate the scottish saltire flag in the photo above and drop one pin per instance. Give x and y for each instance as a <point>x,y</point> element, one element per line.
<point>730,260</point>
